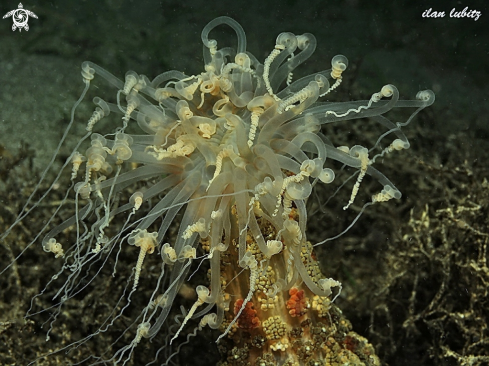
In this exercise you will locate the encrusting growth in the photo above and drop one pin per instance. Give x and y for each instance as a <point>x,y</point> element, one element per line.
<point>229,158</point>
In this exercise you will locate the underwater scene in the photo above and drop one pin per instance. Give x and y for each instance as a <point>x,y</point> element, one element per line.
<point>238,184</point>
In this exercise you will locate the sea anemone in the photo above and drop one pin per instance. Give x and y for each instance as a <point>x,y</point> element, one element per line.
<point>229,157</point>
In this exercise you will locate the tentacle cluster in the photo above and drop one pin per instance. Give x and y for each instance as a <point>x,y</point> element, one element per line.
<point>231,155</point>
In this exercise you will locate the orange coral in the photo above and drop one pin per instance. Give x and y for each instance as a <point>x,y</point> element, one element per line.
<point>248,319</point>
<point>297,304</point>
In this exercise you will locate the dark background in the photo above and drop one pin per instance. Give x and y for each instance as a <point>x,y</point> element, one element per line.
<point>385,42</point>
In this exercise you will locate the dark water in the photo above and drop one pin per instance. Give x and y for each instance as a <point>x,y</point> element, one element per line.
<point>385,42</point>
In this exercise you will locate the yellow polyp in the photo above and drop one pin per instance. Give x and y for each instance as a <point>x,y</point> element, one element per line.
<point>339,63</point>
<point>147,244</point>
<point>54,247</point>
<point>77,161</point>
<point>207,130</point>
<point>137,200</point>
<point>361,154</point>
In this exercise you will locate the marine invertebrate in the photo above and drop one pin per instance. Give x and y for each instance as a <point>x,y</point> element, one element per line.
<point>230,155</point>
